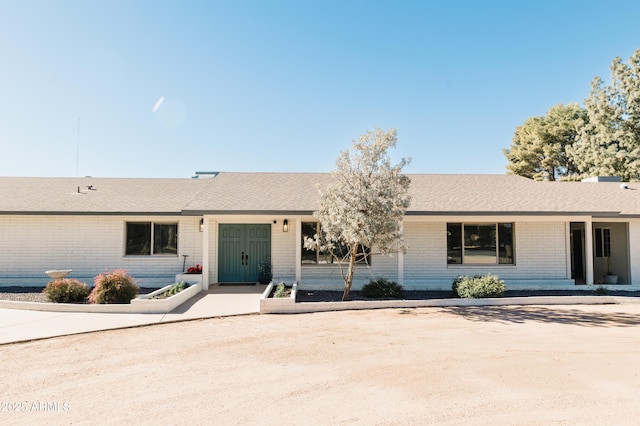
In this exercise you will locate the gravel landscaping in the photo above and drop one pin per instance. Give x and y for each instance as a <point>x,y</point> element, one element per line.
<point>34,294</point>
<point>515,365</point>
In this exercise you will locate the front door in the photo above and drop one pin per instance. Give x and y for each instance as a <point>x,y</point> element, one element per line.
<point>242,248</point>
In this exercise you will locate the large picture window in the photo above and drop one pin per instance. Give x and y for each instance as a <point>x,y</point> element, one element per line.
<point>150,238</point>
<point>480,243</point>
<point>322,257</point>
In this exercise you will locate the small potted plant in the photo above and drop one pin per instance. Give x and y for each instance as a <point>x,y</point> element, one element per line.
<point>193,275</point>
<point>194,270</point>
<point>264,270</point>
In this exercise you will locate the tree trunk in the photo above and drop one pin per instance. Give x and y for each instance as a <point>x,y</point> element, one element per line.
<point>348,280</point>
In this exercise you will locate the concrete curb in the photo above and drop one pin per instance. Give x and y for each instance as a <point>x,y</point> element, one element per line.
<point>310,307</point>
<point>141,305</point>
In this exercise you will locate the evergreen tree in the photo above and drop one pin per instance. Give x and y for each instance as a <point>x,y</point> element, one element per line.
<point>539,147</point>
<point>609,141</point>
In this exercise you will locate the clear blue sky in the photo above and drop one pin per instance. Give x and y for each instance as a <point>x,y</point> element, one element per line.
<point>271,85</point>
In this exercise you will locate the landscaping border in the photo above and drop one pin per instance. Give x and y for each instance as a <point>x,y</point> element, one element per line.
<point>140,305</point>
<point>280,305</point>
<point>288,307</point>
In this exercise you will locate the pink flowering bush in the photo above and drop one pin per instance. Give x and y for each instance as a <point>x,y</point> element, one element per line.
<point>113,287</point>
<point>66,290</point>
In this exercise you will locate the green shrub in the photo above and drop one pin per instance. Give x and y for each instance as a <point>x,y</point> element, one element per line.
<point>382,288</point>
<point>174,289</point>
<point>177,288</point>
<point>113,287</point>
<point>480,286</point>
<point>66,290</point>
<point>456,282</point>
<point>602,290</point>
<point>280,289</point>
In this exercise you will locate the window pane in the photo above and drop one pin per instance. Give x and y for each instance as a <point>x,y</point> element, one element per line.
<point>165,238</point>
<point>138,238</point>
<point>323,257</point>
<point>309,257</point>
<point>454,243</point>
<point>598,242</point>
<point>480,244</point>
<point>505,243</point>
<point>606,242</point>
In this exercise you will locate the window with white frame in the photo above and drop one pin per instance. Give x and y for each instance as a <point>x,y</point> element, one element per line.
<point>151,239</point>
<point>324,257</point>
<point>480,243</point>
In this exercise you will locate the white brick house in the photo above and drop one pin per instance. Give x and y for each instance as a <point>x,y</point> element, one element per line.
<point>553,235</point>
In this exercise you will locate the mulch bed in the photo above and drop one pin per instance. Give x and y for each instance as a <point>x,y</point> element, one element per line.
<point>34,294</point>
<point>336,296</point>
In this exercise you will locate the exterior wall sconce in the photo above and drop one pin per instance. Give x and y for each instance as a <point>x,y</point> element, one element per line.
<point>285,225</point>
<point>202,225</point>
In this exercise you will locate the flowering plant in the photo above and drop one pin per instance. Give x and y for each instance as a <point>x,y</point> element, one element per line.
<point>195,270</point>
<point>113,287</point>
<point>66,290</point>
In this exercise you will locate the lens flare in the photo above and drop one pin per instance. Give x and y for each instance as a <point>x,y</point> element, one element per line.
<point>157,104</point>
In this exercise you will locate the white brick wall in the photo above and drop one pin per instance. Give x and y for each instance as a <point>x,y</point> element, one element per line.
<point>540,254</point>
<point>634,251</point>
<point>89,245</point>
<point>283,245</point>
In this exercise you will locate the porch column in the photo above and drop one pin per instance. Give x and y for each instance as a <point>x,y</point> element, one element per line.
<point>298,251</point>
<point>205,254</point>
<point>588,239</point>
<point>401,261</point>
<point>567,228</point>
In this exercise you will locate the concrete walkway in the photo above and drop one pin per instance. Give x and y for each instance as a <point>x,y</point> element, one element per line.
<point>19,325</point>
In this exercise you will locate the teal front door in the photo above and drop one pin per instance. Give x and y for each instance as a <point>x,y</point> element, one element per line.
<point>242,248</point>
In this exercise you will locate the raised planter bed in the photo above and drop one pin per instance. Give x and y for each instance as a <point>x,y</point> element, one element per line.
<point>274,305</point>
<point>140,305</point>
<point>189,278</point>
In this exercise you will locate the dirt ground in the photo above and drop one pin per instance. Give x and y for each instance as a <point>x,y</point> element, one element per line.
<point>484,365</point>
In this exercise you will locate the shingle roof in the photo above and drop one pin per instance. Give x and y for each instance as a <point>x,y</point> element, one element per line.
<point>497,194</point>
<point>232,192</point>
<point>268,192</point>
<point>108,196</point>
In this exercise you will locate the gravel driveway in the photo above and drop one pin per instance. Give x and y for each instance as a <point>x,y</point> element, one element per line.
<point>484,365</point>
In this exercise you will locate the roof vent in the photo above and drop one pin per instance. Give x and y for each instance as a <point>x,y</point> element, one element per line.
<point>205,175</point>
<point>602,179</point>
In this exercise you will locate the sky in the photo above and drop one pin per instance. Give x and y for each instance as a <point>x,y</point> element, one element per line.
<point>167,88</point>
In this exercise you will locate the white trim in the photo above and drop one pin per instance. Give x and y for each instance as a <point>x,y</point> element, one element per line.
<point>401,259</point>
<point>501,218</point>
<point>567,238</point>
<point>588,237</point>
<point>298,250</point>
<point>205,253</point>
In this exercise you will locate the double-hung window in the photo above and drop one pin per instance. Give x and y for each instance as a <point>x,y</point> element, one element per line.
<point>151,238</point>
<point>480,243</point>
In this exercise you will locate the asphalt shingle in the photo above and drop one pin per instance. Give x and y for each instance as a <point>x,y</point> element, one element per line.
<point>232,192</point>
